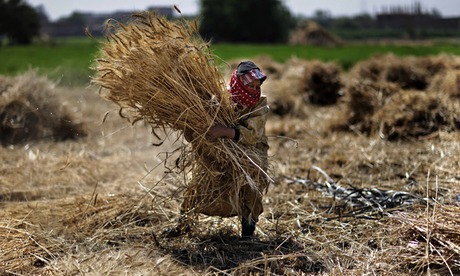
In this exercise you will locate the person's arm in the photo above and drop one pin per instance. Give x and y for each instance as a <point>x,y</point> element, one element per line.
<point>250,131</point>
<point>221,131</point>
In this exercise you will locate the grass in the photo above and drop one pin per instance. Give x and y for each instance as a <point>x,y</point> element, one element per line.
<point>345,55</point>
<point>68,60</point>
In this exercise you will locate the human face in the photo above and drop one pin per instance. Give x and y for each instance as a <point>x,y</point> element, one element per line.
<point>254,85</point>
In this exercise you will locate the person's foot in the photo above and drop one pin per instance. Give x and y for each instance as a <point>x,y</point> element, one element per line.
<point>172,232</point>
<point>181,227</point>
<point>248,227</point>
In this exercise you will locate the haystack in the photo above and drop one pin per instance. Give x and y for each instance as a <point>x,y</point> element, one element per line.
<point>409,113</point>
<point>321,83</point>
<point>447,83</point>
<point>386,110</point>
<point>163,73</point>
<point>303,83</point>
<point>400,97</point>
<point>312,33</point>
<point>407,72</point>
<point>30,110</point>
<point>366,97</point>
<point>285,94</point>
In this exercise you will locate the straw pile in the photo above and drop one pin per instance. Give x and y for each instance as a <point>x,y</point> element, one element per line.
<point>30,110</point>
<point>311,33</point>
<point>163,73</point>
<point>21,251</point>
<point>322,83</point>
<point>404,97</point>
<point>432,240</point>
<point>407,72</point>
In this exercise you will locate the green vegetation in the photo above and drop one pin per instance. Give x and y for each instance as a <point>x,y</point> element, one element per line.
<point>68,60</point>
<point>345,55</point>
<point>19,22</point>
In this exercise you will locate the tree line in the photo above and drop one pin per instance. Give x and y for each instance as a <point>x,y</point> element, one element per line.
<point>19,22</point>
<point>233,21</point>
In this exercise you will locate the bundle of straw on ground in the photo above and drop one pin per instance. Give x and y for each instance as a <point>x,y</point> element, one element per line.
<point>304,85</point>
<point>407,72</point>
<point>30,110</point>
<point>365,97</point>
<point>163,73</point>
<point>311,33</point>
<point>322,83</point>
<point>393,113</point>
<point>403,97</point>
<point>314,83</point>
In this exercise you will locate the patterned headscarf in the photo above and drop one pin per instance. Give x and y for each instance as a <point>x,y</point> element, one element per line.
<point>246,72</point>
<point>242,94</point>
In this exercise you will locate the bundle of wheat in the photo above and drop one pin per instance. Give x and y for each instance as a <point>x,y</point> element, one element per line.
<point>30,110</point>
<point>322,83</point>
<point>162,72</point>
<point>364,98</point>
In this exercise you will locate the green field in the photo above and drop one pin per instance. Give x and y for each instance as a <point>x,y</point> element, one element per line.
<point>69,60</point>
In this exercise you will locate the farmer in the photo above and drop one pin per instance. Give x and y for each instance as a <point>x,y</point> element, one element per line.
<point>251,106</point>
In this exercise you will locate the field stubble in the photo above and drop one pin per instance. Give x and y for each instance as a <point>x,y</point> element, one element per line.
<point>99,205</point>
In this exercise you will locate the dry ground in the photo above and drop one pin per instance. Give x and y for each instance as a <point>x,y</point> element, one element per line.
<point>99,205</point>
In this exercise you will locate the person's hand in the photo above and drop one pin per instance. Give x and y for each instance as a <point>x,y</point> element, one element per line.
<point>188,135</point>
<point>220,131</point>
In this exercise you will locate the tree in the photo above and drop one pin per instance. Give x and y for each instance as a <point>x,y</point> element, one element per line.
<point>76,18</point>
<point>322,17</point>
<point>256,21</point>
<point>19,22</point>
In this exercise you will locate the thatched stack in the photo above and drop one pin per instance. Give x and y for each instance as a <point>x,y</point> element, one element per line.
<point>163,73</point>
<point>285,93</point>
<point>404,97</point>
<point>366,97</point>
<point>303,83</point>
<point>407,72</point>
<point>310,32</point>
<point>321,83</point>
<point>448,83</point>
<point>30,111</point>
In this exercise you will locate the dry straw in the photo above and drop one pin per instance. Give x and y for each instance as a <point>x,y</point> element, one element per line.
<point>30,110</point>
<point>163,73</point>
<point>399,98</point>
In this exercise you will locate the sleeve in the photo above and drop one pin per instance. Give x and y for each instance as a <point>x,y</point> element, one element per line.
<point>252,125</point>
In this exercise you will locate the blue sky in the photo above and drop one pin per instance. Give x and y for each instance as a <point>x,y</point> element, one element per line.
<point>59,8</point>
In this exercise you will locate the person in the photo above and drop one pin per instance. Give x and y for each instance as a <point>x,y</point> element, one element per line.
<point>252,107</point>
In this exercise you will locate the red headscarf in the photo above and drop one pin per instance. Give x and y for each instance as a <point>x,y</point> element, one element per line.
<point>242,94</point>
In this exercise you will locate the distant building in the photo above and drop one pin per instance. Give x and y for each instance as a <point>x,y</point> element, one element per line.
<point>416,21</point>
<point>416,18</point>
<point>75,25</point>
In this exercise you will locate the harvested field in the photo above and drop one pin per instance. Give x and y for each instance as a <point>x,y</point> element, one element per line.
<point>366,185</point>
